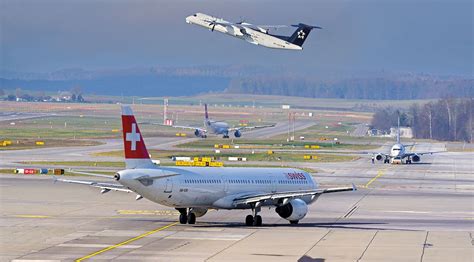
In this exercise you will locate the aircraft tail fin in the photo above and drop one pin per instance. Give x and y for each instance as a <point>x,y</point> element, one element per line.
<point>398,130</point>
<point>136,154</point>
<point>206,115</point>
<point>301,33</point>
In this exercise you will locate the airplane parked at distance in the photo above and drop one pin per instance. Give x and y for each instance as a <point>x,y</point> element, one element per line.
<point>195,190</point>
<point>218,127</point>
<point>398,153</point>
<point>255,34</point>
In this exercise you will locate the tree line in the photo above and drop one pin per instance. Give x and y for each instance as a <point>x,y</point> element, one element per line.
<point>374,88</point>
<point>447,119</point>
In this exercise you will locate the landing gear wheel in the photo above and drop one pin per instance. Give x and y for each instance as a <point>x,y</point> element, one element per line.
<point>249,220</point>
<point>191,218</point>
<point>294,222</point>
<point>183,218</point>
<point>257,221</point>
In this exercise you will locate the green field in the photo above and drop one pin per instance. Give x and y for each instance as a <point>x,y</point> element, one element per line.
<point>274,144</point>
<point>258,156</point>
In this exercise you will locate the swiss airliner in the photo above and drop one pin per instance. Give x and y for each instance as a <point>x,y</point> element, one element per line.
<point>195,190</point>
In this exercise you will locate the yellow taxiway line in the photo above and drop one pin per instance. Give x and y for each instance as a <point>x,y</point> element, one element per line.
<point>31,216</point>
<point>126,242</point>
<point>379,174</point>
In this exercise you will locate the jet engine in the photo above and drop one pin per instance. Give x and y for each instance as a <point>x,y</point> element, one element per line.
<point>415,158</point>
<point>237,133</point>
<point>378,157</point>
<point>295,210</point>
<point>199,211</point>
<point>199,133</point>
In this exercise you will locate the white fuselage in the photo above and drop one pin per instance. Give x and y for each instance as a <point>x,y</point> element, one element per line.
<point>397,150</point>
<point>242,31</point>
<point>214,187</point>
<point>218,128</point>
<point>397,153</point>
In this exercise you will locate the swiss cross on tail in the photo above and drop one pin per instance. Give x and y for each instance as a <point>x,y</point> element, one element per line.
<point>134,146</point>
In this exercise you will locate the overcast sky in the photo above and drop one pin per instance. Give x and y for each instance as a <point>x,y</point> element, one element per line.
<point>421,36</point>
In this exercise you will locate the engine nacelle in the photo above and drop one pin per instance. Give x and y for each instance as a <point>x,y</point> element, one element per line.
<point>199,133</point>
<point>237,133</point>
<point>295,210</point>
<point>199,211</point>
<point>415,158</point>
<point>379,157</point>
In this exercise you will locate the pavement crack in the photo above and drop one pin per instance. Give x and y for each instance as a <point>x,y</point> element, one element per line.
<point>424,246</point>
<point>231,245</point>
<point>368,245</point>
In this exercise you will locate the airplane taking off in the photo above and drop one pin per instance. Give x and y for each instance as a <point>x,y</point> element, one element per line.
<point>194,190</point>
<point>218,127</point>
<point>254,34</point>
<point>398,153</point>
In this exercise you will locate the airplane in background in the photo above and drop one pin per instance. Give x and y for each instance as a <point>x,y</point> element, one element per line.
<point>255,34</point>
<point>398,153</point>
<point>195,190</point>
<point>218,127</point>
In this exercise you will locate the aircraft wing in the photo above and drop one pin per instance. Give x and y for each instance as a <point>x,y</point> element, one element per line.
<point>176,126</point>
<point>290,194</point>
<point>240,128</point>
<point>422,153</point>
<point>105,187</point>
<point>191,127</point>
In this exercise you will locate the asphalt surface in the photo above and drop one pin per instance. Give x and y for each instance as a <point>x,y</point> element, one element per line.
<point>418,212</point>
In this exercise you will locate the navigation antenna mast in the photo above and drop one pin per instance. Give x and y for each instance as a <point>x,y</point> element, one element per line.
<point>165,110</point>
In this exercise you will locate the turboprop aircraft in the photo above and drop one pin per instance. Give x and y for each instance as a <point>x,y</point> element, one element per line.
<point>195,190</point>
<point>218,127</point>
<point>254,34</point>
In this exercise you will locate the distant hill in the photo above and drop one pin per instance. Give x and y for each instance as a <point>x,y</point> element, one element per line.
<point>390,87</point>
<point>193,80</point>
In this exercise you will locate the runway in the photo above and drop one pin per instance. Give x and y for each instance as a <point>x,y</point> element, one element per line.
<point>422,212</point>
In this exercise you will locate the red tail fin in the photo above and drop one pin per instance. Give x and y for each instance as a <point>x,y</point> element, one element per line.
<point>136,154</point>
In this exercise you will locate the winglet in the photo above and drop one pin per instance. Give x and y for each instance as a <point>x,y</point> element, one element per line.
<point>354,188</point>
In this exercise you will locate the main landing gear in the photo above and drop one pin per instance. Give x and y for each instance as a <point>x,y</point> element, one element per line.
<point>255,219</point>
<point>186,217</point>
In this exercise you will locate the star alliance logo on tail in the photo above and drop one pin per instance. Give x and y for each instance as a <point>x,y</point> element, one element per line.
<point>301,34</point>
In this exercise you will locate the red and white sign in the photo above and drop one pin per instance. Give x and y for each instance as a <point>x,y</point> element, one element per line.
<point>134,146</point>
